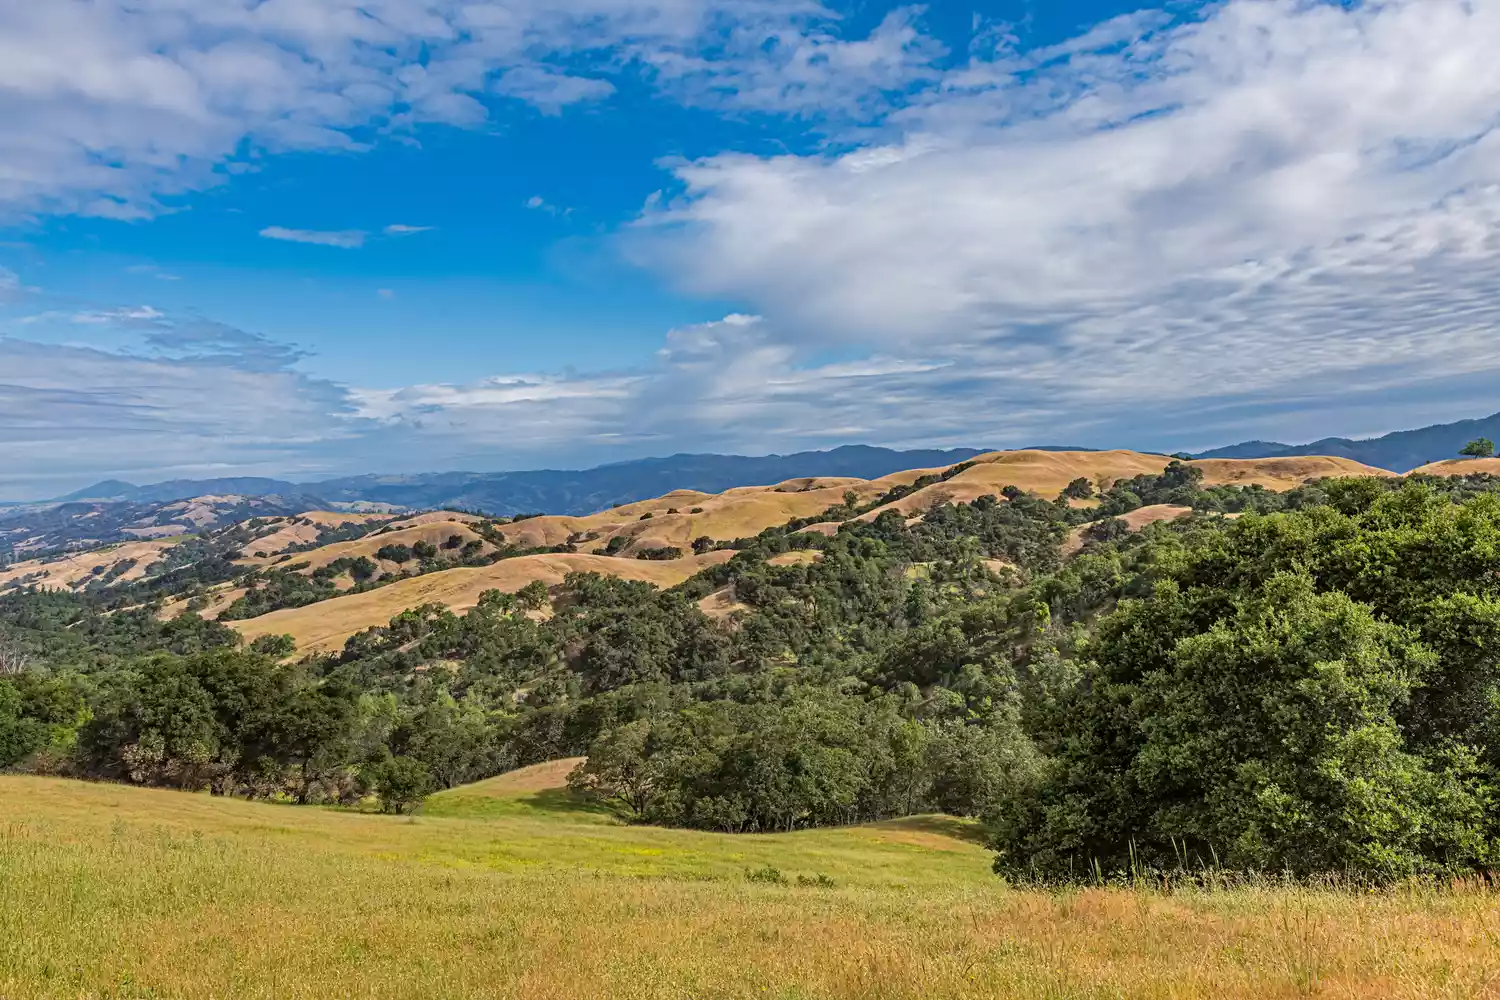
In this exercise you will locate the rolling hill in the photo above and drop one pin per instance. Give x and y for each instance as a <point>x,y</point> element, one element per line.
<point>651,539</point>
<point>613,542</point>
<point>327,625</point>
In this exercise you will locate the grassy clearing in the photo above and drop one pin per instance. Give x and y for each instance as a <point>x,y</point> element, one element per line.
<point>509,889</point>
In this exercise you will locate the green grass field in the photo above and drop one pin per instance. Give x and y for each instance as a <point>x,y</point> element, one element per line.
<point>512,888</point>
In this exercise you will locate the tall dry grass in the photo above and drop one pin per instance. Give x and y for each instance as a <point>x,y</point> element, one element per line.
<point>125,893</point>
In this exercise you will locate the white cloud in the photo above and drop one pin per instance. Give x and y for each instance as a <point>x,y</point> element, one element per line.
<point>1275,194</point>
<point>551,91</point>
<point>153,271</point>
<point>348,239</point>
<point>124,314</point>
<point>113,106</point>
<point>74,413</point>
<point>400,230</point>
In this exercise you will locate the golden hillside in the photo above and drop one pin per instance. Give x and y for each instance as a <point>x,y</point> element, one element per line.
<point>74,571</point>
<point>1460,467</point>
<point>329,624</point>
<point>684,515</point>
<point>1281,473</point>
<point>1135,520</point>
<point>303,529</point>
<point>1044,473</point>
<point>438,532</point>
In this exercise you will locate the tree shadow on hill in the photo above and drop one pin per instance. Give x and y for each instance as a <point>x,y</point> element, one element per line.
<point>941,825</point>
<point>564,802</point>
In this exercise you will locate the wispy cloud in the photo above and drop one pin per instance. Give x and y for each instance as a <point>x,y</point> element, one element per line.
<point>348,239</point>
<point>400,230</point>
<point>539,204</point>
<point>153,271</point>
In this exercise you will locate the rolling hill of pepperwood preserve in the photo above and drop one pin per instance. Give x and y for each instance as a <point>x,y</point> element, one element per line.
<point>1037,723</point>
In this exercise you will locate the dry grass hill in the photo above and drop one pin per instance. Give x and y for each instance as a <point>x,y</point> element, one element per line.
<point>1135,521</point>
<point>75,571</point>
<point>673,520</point>
<point>433,532</point>
<point>329,624</point>
<point>678,518</point>
<point>1461,467</point>
<point>1281,473</point>
<point>304,528</point>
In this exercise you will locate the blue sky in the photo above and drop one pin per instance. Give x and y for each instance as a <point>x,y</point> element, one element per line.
<point>314,237</point>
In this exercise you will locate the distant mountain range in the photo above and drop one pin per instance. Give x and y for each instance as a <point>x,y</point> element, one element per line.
<point>547,491</point>
<point>1401,451</point>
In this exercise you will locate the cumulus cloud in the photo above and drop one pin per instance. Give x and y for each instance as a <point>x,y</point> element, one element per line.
<point>347,239</point>
<point>113,106</point>
<point>1266,195</point>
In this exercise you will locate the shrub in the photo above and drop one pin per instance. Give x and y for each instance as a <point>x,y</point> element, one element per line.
<point>398,554</point>
<point>401,784</point>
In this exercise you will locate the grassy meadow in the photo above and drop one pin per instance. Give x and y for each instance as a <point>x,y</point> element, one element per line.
<point>513,889</point>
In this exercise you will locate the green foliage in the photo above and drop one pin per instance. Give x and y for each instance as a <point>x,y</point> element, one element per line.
<point>662,553</point>
<point>400,783</point>
<point>396,553</point>
<point>277,647</point>
<point>1079,489</point>
<point>39,716</point>
<point>1479,448</point>
<point>1310,692</point>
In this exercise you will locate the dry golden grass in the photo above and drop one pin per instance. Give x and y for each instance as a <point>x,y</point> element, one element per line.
<point>75,570</point>
<point>736,513</point>
<point>1044,473</point>
<point>1460,467</point>
<point>516,892</point>
<point>722,603</point>
<point>329,624</point>
<point>434,516</point>
<point>303,528</point>
<point>219,599</point>
<point>527,780</point>
<point>434,532</point>
<point>1281,473</point>
<point>1135,520</point>
<point>802,557</point>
